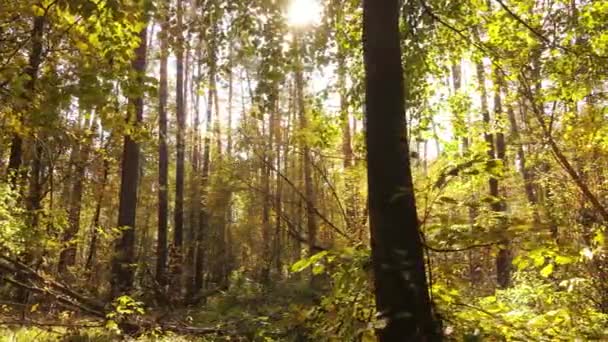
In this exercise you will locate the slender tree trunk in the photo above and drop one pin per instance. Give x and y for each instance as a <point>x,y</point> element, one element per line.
<point>504,258</point>
<point>217,128</point>
<point>267,200</point>
<point>204,213</point>
<point>461,120</point>
<point>347,148</point>
<point>163,154</point>
<point>278,204</point>
<point>35,58</point>
<point>230,99</point>
<point>67,256</point>
<point>311,218</point>
<point>124,250</point>
<point>401,291</point>
<point>521,157</point>
<point>97,215</point>
<point>178,225</point>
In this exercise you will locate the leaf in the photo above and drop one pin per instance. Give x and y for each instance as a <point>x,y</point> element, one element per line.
<point>547,270</point>
<point>539,260</point>
<point>563,260</point>
<point>318,269</point>
<point>302,264</point>
<point>111,325</point>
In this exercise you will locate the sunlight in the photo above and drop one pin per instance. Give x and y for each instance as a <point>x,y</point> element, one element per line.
<point>304,12</point>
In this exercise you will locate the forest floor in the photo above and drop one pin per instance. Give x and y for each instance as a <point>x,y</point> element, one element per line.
<point>245,312</point>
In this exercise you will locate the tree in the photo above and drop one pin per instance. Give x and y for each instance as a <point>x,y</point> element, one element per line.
<point>124,250</point>
<point>402,297</point>
<point>178,228</point>
<point>163,158</point>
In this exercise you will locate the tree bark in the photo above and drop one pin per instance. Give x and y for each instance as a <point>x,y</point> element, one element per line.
<point>204,213</point>
<point>504,257</point>
<point>401,288</point>
<point>67,256</point>
<point>35,58</point>
<point>178,222</point>
<point>311,219</point>
<point>124,249</point>
<point>97,215</point>
<point>163,158</point>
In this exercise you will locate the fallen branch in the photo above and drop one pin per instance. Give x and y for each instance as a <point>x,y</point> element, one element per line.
<point>31,273</point>
<point>32,323</point>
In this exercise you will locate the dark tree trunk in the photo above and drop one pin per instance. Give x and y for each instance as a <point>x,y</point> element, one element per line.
<point>163,158</point>
<point>278,204</point>
<point>97,215</point>
<point>178,226</point>
<point>401,291</point>
<point>124,249</point>
<point>504,258</point>
<point>16,153</point>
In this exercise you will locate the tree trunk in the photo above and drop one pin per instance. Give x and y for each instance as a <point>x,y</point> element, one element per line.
<point>311,218</point>
<point>267,200</point>
<point>178,225</point>
<point>124,249</point>
<point>96,216</point>
<point>204,213</point>
<point>163,158</point>
<point>35,58</point>
<point>462,120</point>
<point>67,256</point>
<point>278,204</point>
<point>401,291</point>
<point>504,258</point>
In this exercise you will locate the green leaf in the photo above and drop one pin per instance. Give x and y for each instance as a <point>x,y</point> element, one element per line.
<point>301,265</point>
<point>547,270</point>
<point>563,260</point>
<point>318,269</point>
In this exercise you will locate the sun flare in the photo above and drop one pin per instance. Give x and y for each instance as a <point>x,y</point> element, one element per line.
<point>304,13</point>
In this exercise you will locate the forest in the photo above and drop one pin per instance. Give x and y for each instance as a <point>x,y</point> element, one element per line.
<point>303,170</point>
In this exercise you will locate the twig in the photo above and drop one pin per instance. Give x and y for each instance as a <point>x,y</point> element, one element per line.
<point>454,250</point>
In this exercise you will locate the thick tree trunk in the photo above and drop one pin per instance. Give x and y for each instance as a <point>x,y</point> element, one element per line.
<point>124,249</point>
<point>402,295</point>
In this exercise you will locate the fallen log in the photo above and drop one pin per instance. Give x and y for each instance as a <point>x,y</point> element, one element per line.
<point>71,299</point>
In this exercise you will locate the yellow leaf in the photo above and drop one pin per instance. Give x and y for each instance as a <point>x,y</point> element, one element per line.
<point>547,270</point>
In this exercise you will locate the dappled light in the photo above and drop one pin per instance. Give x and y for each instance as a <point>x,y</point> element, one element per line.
<point>303,170</point>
